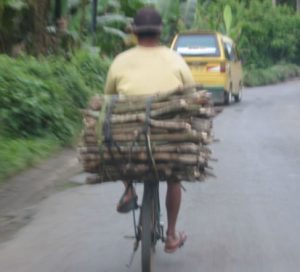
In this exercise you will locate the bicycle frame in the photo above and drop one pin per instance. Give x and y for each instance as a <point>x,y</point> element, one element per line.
<point>149,228</point>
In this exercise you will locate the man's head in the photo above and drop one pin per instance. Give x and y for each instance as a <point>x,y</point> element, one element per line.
<point>147,24</point>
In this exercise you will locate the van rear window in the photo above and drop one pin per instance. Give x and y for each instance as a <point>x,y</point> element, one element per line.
<point>197,45</point>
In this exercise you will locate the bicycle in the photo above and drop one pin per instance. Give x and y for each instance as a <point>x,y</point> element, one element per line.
<point>149,229</point>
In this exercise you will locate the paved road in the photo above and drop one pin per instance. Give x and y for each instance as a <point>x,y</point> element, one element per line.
<point>21,194</point>
<point>248,219</point>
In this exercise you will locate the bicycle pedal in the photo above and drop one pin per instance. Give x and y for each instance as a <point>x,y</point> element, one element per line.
<point>129,237</point>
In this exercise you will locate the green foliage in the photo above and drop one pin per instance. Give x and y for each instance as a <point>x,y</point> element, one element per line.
<point>111,36</point>
<point>272,75</point>
<point>17,154</point>
<point>265,35</point>
<point>224,16</point>
<point>170,11</point>
<point>39,104</point>
<point>177,15</point>
<point>111,25</point>
<point>129,7</point>
<point>227,18</point>
<point>92,69</point>
<point>15,4</point>
<point>40,97</point>
<point>31,101</point>
<point>13,13</point>
<point>188,12</point>
<point>114,16</point>
<point>270,35</point>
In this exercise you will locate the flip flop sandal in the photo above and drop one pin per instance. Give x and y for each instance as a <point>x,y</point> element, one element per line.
<point>129,205</point>
<point>179,243</point>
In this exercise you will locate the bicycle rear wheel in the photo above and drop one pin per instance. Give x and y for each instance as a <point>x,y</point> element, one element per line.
<point>148,223</point>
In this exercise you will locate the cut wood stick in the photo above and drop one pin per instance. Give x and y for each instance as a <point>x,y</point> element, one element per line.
<point>177,107</point>
<point>171,125</point>
<point>166,172</point>
<point>192,136</point>
<point>163,95</point>
<point>173,106</point>
<point>194,110</point>
<point>179,148</point>
<point>90,140</point>
<point>125,105</point>
<point>188,159</point>
<point>91,135</point>
<point>90,132</point>
<point>140,168</point>
<point>199,124</point>
<point>139,130</point>
<point>97,101</point>
<point>140,107</point>
<point>141,117</point>
<point>136,120</point>
<point>89,122</point>
<point>200,98</point>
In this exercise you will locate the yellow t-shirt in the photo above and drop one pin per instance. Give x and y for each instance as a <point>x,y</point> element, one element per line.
<point>147,70</point>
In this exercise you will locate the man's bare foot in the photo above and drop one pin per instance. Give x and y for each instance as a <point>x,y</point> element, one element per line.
<point>128,200</point>
<point>173,242</point>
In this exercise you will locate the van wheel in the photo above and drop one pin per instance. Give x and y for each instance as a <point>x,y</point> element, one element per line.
<point>238,97</point>
<point>227,97</point>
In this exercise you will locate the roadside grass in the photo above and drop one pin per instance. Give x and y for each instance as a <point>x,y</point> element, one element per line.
<point>274,74</point>
<point>40,97</point>
<point>18,154</point>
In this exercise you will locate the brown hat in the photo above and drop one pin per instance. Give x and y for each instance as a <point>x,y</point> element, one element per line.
<point>147,20</point>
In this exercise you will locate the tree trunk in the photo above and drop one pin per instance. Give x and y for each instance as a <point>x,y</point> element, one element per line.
<point>94,15</point>
<point>298,5</point>
<point>83,6</point>
<point>94,19</point>
<point>41,9</point>
<point>274,3</point>
<point>57,9</point>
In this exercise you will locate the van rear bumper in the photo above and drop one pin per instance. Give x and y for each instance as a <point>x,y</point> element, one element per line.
<point>217,93</point>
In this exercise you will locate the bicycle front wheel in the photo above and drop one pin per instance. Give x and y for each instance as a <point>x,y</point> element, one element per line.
<point>147,220</point>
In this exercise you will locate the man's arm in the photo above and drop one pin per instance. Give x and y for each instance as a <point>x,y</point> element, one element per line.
<point>110,85</point>
<point>186,74</point>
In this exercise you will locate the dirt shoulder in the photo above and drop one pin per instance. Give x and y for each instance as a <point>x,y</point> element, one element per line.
<point>20,195</point>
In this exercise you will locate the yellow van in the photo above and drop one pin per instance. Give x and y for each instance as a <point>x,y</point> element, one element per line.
<point>214,63</point>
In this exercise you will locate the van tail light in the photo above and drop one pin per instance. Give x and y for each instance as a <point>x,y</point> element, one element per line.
<point>217,68</point>
<point>223,67</point>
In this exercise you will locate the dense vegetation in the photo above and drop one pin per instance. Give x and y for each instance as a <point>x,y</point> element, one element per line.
<point>40,97</point>
<point>18,153</point>
<point>39,104</point>
<point>56,54</point>
<point>266,36</point>
<point>271,75</point>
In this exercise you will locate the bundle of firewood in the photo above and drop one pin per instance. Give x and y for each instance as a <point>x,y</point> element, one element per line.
<point>141,138</point>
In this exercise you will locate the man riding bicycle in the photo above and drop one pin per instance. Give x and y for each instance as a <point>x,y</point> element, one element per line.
<point>147,69</point>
